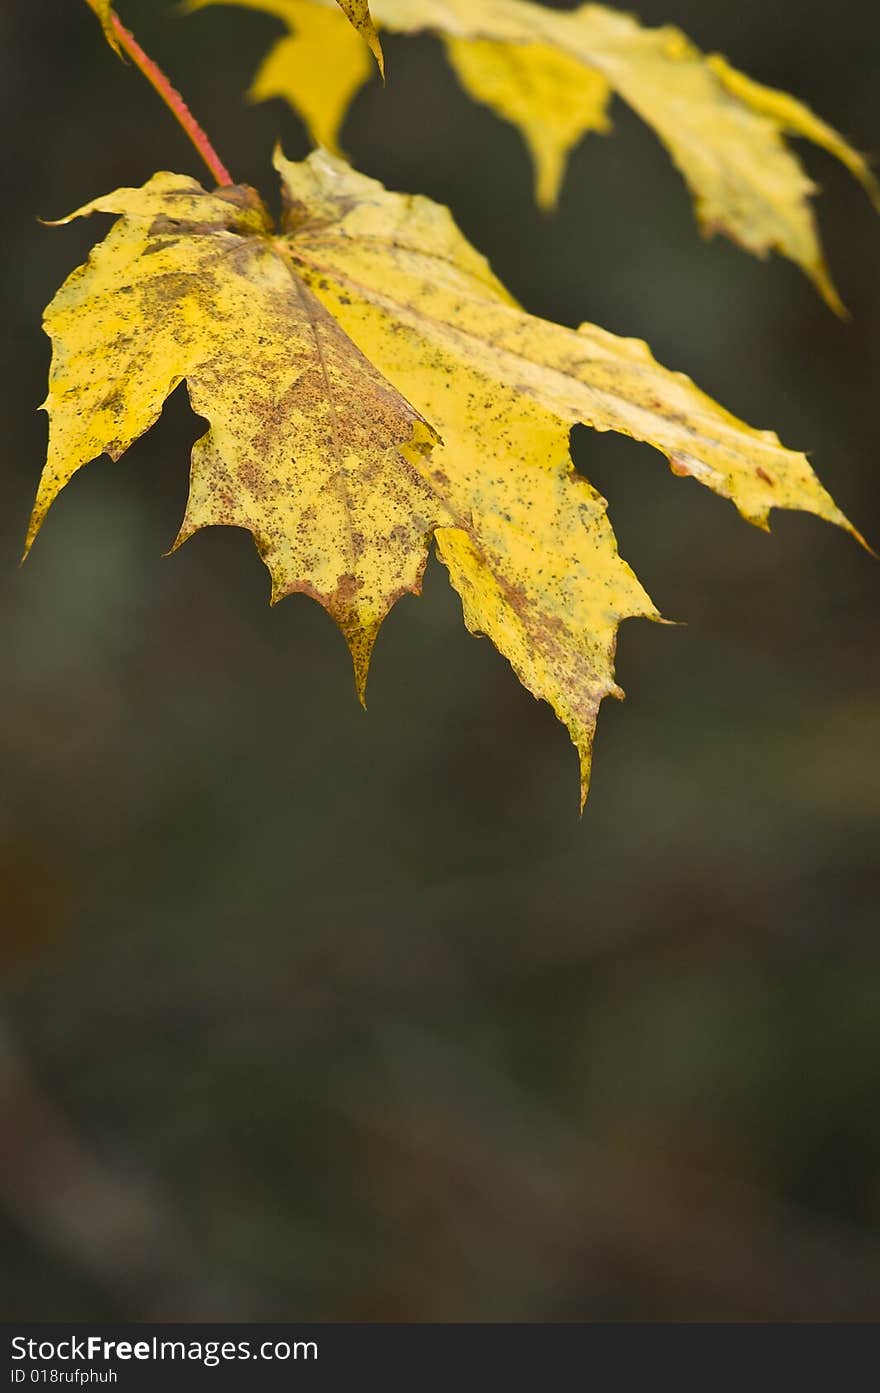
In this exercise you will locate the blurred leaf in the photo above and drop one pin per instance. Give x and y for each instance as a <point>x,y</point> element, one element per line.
<point>298,65</point>
<point>548,95</point>
<point>550,71</point>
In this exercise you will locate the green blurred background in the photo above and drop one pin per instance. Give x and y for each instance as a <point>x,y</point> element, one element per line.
<point>307,1013</point>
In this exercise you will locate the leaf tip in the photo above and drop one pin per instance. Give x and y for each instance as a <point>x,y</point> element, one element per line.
<point>359,628</point>
<point>585,757</point>
<point>187,529</point>
<point>857,536</point>
<point>361,640</point>
<point>375,48</point>
<point>37,519</point>
<point>821,278</point>
<point>108,21</point>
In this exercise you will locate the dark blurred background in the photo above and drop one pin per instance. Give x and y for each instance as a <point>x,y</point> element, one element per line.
<point>312,1014</point>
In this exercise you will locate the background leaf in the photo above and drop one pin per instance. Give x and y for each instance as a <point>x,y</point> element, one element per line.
<point>724,132</point>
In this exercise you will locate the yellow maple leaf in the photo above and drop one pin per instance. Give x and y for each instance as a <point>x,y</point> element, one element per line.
<point>725,133</point>
<point>550,97</point>
<point>318,353</point>
<point>297,69</point>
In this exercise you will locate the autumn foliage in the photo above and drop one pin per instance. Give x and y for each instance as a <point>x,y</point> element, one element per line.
<point>370,387</point>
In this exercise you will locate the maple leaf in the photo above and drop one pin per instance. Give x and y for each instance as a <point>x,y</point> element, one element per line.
<point>549,96</point>
<point>299,64</point>
<point>319,352</point>
<point>552,72</point>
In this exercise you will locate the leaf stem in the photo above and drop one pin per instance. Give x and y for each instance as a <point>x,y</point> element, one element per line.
<point>172,99</point>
